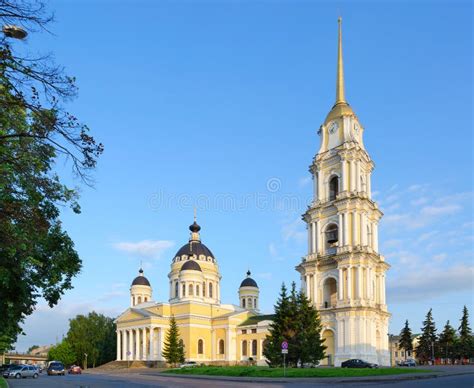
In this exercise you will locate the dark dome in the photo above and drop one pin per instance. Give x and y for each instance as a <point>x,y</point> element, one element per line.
<point>141,280</point>
<point>194,248</point>
<point>194,227</point>
<point>191,265</point>
<point>248,281</point>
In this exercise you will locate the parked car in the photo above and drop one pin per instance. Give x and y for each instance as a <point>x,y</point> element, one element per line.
<point>409,362</point>
<point>75,370</point>
<point>357,363</point>
<point>189,364</point>
<point>56,368</point>
<point>21,371</point>
<point>4,367</point>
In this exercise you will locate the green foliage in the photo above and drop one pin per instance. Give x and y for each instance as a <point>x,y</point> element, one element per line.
<point>173,349</point>
<point>465,345</point>
<point>406,342</point>
<point>37,257</point>
<point>31,348</point>
<point>447,340</point>
<point>297,322</point>
<point>427,340</point>
<point>94,335</point>
<point>62,352</point>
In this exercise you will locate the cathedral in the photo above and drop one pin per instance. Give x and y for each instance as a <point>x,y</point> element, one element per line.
<point>343,274</point>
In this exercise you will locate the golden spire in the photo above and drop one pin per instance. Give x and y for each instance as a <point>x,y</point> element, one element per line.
<point>340,97</point>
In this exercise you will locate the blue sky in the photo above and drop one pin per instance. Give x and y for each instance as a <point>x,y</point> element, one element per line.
<point>216,104</point>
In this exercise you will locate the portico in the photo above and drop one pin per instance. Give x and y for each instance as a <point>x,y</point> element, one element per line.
<point>141,343</point>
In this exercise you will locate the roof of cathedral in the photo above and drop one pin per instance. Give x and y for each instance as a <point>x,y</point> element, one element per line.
<point>257,318</point>
<point>248,281</point>
<point>140,280</point>
<point>194,246</point>
<point>191,265</point>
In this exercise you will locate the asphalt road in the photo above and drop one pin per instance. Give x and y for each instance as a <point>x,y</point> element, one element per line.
<point>140,381</point>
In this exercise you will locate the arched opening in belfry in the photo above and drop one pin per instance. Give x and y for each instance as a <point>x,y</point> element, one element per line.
<point>333,188</point>
<point>332,235</point>
<point>329,293</point>
<point>328,337</point>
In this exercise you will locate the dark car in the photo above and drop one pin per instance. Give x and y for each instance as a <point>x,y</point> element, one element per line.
<point>356,363</point>
<point>75,370</point>
<point>56,368</point>
<point>4,367</point>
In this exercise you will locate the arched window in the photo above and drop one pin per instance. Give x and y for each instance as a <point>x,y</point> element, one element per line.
<point>184,290</point>
<point>244,348</point>
<point>333,188</point>
<point>197,289</point>
<point>200,346</point>
<point>243,302</point>
<point>332,237</point>
<point>255,303</point>
<point>176,289</point>
<point>254,347</point>
<point>139,300</point>
<point>249,303</point>
<point>203,288</point>
<point>210,290</point>
<point>190,290</point>
<point>221,347</point>
<point>146,299</point>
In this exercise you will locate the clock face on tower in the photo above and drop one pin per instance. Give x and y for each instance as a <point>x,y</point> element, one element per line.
<point>333,126</point>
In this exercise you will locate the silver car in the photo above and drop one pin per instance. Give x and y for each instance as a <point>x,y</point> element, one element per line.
<point>21,371</point>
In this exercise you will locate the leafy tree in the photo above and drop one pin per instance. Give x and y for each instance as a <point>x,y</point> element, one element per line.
<point>406,342</point>
<point>31,348</point>
<point>465,346</point>
<point>447,341</point>
<point>173,349</point>
<point>278,331</point>
<point>93,335</point>
<point>424,350</point>
<point>62,352</point>
<point>37,257</point>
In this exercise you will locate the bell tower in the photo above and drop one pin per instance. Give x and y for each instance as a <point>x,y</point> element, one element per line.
<point>343,273</point>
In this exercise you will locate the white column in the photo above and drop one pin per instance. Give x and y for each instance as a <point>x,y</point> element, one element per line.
<point>358,176</point>
<point>119,345</point>
<point>308,293</point>
<point>313,238</point>
<point>369,186</point>
<point>152,344</point>
<point>353,176</point>
<point>367,282</point>
<point>320,186</point>
<point>318,237</point>
<point>346,228</point>
<point>340,230</point>
<point>349,283</point>
<point>359,282</point>
<point>227,344</point>
<point>364,228</point>
<point>315,186</point>
<point>137,344</point>
<point>144,343</point>
<point>382,286</point>
<point>344,175</point>
<point>159,343</point>
<point>340,336</point>
<point>130,345</point>
<point>315,290</point>
<point>375,236</point>
<point>308,226</point>
<point>340,283</point>
<point>354,229</point>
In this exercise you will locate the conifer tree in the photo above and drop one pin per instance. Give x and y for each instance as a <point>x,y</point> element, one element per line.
<point>181,351</point>
<point>447,340</point>
<point>310,347</point>
<point>173,349</point>
<point>278,329</point>
<point>425,348</point>
<point>292,328</point>
<point>406,342</point>
<point>465,348</point>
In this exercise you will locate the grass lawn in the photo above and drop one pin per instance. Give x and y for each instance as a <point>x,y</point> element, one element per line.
<point>262,371</point>
<point>3,383</point>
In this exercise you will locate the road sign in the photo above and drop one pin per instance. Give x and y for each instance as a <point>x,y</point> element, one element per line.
<point>284,351</point>
<point>284,345</point>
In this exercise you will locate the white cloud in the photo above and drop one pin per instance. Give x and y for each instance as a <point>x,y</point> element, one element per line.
<point>419,201</point>
<point>265,275</point>
<point>433,282</point>
<point>145,248</point>
<point>294,231</point>
<point>303,182</point>
<point>440,257</point>
<point>426,236</point>
<point>434,211</point>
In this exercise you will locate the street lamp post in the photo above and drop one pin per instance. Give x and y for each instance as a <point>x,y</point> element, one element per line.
<point>85,364</point>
